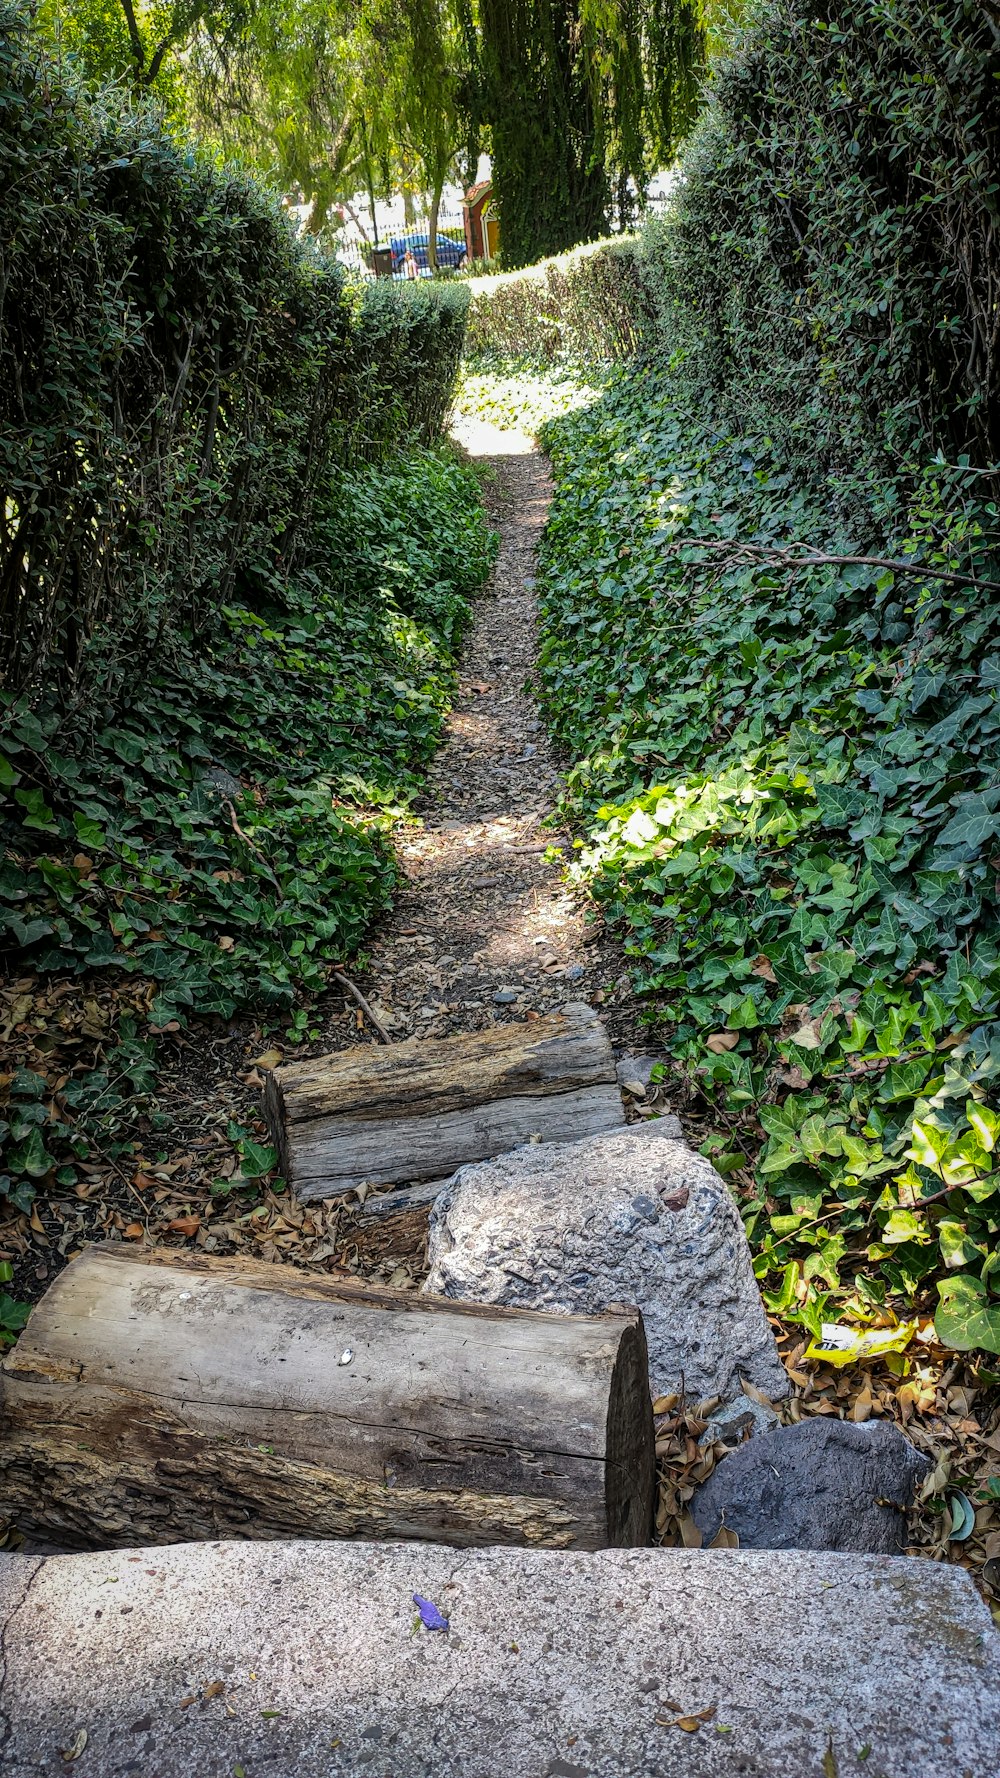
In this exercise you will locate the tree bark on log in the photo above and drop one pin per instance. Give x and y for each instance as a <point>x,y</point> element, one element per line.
<point>418,1110</point>
<point>159,1397</point>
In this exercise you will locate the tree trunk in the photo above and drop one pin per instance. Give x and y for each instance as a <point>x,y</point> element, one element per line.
<point>159,1397</point>
<point>417,1110</point>
<point>432,225</point>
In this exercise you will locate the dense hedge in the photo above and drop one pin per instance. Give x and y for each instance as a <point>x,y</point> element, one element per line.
<point>828,273</point>
<point>589,305</point>
<point>772,647</point>
<point>236,562</point>
<point>179,377</point>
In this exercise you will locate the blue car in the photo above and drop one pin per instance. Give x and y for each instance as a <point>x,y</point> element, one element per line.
<point>449,253</point>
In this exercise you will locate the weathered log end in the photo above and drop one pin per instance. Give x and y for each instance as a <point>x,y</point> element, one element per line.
<point>408,1112</point>
<point>631,1471</point>
<point>166,1397</point>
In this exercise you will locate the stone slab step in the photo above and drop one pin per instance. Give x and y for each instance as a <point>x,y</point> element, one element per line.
<point>308,1660</point>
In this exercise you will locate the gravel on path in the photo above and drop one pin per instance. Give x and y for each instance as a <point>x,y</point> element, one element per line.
<point>485,928</point>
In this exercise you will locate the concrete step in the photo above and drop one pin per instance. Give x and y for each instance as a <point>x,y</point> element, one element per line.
<point>309,1660</point>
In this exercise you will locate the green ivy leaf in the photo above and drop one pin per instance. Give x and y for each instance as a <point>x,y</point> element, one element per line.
<point>257,1159</point>
<point>966,1319</point>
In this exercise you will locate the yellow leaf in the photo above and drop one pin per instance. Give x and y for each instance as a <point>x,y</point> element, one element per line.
<point>842,1345</point>
<point>76,1746</point>
<point>270,1059</point>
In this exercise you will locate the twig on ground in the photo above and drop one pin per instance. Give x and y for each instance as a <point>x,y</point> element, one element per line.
<point>366,1008</point>
<point>248,842</point>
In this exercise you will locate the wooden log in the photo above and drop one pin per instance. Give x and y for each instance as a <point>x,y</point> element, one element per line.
<point>417,1110</point>
<point>160,1397</point>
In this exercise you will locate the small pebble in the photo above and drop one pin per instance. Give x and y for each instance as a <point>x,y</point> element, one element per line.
<point>505,996</point>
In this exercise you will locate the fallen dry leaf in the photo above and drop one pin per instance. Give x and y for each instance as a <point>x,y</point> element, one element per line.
<point>185,1225</point>
<point>269,1059</point>
<point>721,1041</point>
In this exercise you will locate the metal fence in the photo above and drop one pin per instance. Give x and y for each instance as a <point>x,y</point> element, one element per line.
<point>404,252</point>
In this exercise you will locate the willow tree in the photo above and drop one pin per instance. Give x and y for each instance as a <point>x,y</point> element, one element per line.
<point>421,93</point>
<point>584,98</point>
<point>286,95</point>
<point>539,95</point>
<point>141,43</point>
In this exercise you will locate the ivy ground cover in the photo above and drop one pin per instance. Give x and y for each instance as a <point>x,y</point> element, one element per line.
<point>790,782</point>
<point>214,845</point>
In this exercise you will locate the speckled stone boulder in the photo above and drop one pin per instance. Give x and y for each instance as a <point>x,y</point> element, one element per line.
<point>631,1216</point>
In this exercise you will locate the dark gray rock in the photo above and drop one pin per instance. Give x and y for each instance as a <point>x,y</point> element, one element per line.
<point>741,1419</point>
<point>824,1484</point>
<point>218,782</point>
<point>638,1069</point>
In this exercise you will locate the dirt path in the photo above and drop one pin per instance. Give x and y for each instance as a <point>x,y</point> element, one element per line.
<point>485,929</point>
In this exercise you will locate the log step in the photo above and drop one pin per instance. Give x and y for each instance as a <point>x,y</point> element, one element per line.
<point>307,1660</point>
<point>414,1111</point>
<point>161,1396</point>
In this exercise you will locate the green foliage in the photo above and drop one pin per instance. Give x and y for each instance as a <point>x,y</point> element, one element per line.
<point>407,348</point>
<point>179,378</point>
<point>524,398</point>
<point>791,779</point>
<point>539,100</point>
<point>585,99</point>
<point>44,1137</point>
<point>827,273</point>
<point>791,771</point>
<point>331,99</point>
<point>234,571</point>
<point>588,306</point>
<point>218,836</point>
<point>140,42</point>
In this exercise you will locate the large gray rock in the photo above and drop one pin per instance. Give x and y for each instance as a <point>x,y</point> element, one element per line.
<point>631,1216</point>
<point>306,1660</point>
<point>824,1484</point>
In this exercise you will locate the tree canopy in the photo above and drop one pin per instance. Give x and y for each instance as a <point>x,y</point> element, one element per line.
<point>581,101</point>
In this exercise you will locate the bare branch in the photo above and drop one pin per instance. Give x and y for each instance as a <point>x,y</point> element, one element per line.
<point>788,558</point>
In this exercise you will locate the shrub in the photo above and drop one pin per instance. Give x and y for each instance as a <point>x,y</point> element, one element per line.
<point>790,782</point>
<point>772,646</point>
<point>588,305</point>
<point>827,274</point>
<point>180,375</point>
<point>235,564</point>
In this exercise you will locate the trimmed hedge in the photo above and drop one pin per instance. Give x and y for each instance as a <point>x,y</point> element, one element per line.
<point>180,375</point>
<point>589,305</point>
<point>828,272</point>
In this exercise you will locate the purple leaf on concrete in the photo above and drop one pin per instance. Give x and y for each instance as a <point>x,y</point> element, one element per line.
<point>430,1616</point>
